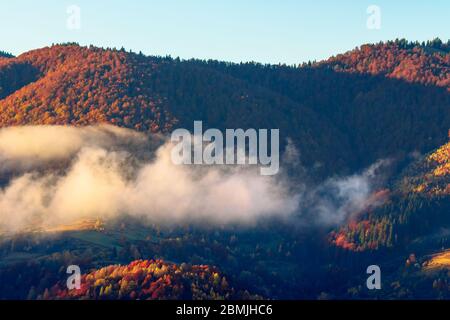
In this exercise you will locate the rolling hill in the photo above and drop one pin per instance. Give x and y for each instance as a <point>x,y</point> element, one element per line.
<point>148,280</point>
<point>416,213</point>
<point>383,101</point>
<point>426,63</point>
<point>341,121</point>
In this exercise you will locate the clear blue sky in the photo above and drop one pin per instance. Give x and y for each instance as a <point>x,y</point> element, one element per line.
<point>286,31</point>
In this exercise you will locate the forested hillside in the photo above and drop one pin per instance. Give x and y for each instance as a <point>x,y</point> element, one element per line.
<point>418,206</point>
<point>427,62</point>
<point>341,121</point>
<point>388,101</point>
<point>149,280</point>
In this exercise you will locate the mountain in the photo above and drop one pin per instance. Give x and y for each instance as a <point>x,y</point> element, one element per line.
<point>384,101</point>
<point>148,280</point>
<point>79,86</point>
<point>341,121</point>
<point>378,115</point>
<point>407,233</point>
<point>426,63</point>
<point>416,212</point>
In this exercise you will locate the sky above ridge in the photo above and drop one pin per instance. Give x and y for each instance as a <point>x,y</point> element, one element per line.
<point>266,31</point>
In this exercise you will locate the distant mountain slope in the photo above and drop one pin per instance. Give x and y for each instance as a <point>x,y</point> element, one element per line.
<point>428,63</point>
<point>149,280</point>
<point>339,121</point>
<point>82,86</point>
<point>418,209</point>
<point>15,75</point>
<point>378,114</point>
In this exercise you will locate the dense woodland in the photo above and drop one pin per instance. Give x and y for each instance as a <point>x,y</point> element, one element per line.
<point>341,121</point>
<point>426,62</point>
<point>149,280</point>
<point>418,206</point>
<point>387,100</point>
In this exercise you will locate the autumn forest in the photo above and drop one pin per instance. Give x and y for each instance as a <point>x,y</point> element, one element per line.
<point>365,176</point>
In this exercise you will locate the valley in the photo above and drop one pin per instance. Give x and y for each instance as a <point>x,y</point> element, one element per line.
<point>364,176</point>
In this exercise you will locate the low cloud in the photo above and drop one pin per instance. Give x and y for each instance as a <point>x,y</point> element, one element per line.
<point>337,199</point>
<point>23,148</point>
<point>68,173</point>
<point>54,175</point>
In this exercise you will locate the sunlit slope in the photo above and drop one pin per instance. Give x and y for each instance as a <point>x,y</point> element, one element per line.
<point>418,207</point>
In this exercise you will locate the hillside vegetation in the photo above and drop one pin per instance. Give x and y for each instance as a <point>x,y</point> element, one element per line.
<point>149,280</point>
<point>341,121</point>
<point>380,101</point>
<point>419,205</point>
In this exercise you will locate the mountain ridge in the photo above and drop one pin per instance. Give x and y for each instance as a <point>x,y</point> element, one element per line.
<point>342,115</point>
<point>343,121</point>
<point>426,63</point>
